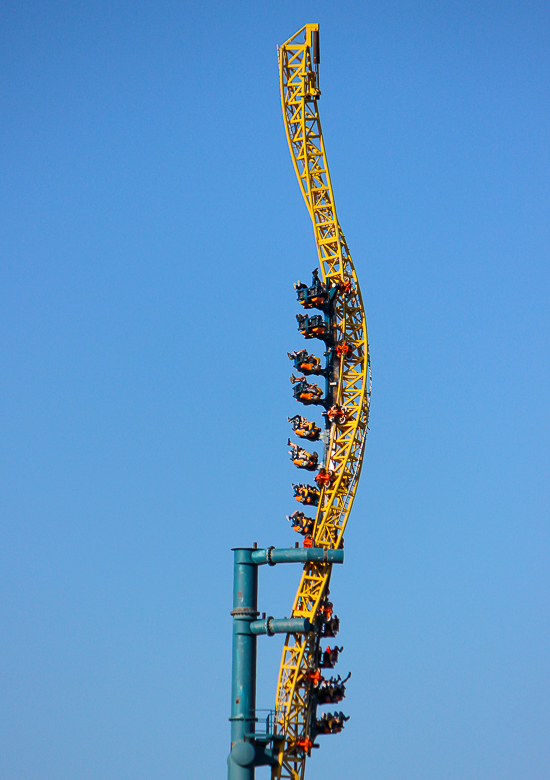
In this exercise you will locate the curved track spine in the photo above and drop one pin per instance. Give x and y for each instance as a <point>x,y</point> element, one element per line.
<point>351,383</point>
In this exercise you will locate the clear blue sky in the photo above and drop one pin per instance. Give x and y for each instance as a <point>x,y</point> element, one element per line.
<point>151,231</point>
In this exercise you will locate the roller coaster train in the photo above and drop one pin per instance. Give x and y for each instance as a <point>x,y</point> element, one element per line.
<point>331,312</point>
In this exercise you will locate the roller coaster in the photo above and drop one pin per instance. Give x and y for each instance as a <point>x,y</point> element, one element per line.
<point>332,312</point>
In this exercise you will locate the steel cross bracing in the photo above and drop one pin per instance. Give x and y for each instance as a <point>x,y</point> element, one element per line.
<point>299,95</point>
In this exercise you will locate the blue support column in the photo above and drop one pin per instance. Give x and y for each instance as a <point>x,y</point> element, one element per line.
<point>243,686</point>
<point>272,555</point>
<point>249,750</point>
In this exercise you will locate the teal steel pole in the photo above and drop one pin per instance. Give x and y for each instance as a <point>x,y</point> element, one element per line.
<point>243,685</point>
<point>247,749</point>
<point>273,555</point>
<point>270,626</point>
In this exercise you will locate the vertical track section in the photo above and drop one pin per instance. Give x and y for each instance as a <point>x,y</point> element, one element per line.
<point>299,95</point>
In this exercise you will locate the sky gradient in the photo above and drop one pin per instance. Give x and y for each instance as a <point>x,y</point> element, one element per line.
<point>151,232</point>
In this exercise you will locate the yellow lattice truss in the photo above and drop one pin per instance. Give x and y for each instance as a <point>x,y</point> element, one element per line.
<point>299,95</point>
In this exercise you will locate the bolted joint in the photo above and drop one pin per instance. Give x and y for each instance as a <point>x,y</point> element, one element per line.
<point>244,613</point>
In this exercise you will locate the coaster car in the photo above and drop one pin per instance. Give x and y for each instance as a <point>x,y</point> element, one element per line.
<point>317,296</point>
<point>300,523</point>
<point>302,458</point>
<point>313,327</point>
<point>330,627</point>
<point>306,363</point>
<point>331,691</point>
<point>329,657</point>
<point>305,392</point>
<point>306,494</point>
<point>304,429</point>
<point>330,723</point>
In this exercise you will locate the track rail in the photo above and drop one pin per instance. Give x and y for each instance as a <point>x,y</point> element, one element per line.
<point>344,453</point>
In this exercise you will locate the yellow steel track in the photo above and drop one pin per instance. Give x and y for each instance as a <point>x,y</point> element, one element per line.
<point>299,95</point>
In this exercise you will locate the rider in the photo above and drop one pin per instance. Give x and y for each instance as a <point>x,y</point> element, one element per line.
<point>302,458</point>
<point>305,391</point>
<point>303,428</point>
<point>300,523</point>
<point>304,361</point>
<point>306,494</point>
